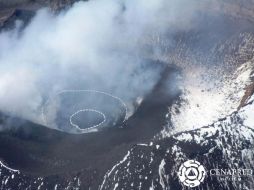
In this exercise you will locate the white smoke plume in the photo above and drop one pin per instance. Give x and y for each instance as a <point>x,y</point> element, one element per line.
<point>97,45</point>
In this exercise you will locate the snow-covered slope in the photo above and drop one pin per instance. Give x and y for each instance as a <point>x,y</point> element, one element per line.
<point>213,87</point>
<point>203,103</point>
<point>227,144</point>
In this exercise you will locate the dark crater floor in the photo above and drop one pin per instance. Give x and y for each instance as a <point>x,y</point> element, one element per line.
<point>42,151</point>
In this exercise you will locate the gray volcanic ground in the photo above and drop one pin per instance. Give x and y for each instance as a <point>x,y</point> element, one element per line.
<point>118,94</point>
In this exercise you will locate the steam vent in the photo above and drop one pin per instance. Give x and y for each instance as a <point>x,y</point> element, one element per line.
<point>126,95</point>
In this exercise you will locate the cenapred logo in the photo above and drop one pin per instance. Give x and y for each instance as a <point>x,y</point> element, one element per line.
<point>191,173</point>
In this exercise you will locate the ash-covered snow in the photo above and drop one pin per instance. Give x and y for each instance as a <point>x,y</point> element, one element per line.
<point>228,143</point>
<point>248,114</point>
<point>210,93</point>
<point>11,179</point>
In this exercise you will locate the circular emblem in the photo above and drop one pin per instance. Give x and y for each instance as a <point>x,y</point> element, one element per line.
<point>191,173</point>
